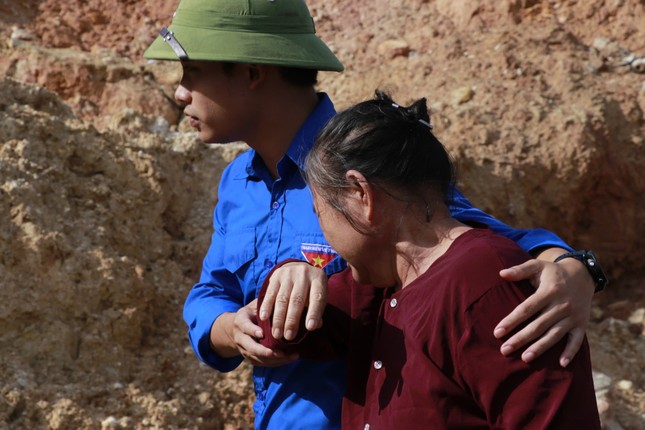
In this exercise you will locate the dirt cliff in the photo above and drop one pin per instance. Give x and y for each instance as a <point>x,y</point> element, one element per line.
<point>106,196</point>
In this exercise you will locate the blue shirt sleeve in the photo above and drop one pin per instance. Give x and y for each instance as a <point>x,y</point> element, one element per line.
<point>219,289</point>
<point>208,299</point>
<point>528,239</point>
<point>216,292</point>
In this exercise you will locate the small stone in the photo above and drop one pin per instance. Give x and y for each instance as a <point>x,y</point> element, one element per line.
<point>624,385</point>
<point>394,48</point>
<point>204,397</point>
<point>601,381</point>
<point>18,36</point>
<point>600,43</point>
<point>637,317</point>
<point>110,423</point>
<point>597,313</point>
<point>462,95</point>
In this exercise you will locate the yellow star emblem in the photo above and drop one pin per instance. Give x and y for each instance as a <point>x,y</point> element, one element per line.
<point>317,261</point>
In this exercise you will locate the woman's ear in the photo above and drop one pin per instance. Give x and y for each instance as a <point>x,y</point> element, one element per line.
<point>360,195</point>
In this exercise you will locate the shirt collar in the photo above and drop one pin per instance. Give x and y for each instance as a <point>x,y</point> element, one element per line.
<point>304,139</point>
<point>307,134</point>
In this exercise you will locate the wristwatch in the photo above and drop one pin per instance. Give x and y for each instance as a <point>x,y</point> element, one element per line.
<point>588,258</point>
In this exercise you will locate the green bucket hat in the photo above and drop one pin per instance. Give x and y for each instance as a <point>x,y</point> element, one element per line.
<point>275,32</point>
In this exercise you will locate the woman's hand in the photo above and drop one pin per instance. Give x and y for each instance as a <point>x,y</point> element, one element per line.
<point>291,288</point>
<point>561,304</point>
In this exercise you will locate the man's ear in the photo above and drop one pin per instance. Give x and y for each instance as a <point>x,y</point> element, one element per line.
<point>256,74</point>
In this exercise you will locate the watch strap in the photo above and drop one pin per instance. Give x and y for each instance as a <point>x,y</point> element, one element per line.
<point>588,258</point>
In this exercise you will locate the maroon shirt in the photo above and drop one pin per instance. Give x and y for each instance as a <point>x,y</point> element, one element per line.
<point>425,357</point>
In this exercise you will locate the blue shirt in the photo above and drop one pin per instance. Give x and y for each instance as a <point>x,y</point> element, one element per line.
<point>259,222</point>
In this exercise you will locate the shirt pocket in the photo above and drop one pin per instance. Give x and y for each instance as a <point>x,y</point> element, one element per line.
<point>239,249</point>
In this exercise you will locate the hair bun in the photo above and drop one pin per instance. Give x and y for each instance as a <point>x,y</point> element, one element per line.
<point>418,111</point>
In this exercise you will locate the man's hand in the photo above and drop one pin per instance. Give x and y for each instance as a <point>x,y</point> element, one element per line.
<point>562,304</point>
<point>237,333</point>
<point>291,288</point>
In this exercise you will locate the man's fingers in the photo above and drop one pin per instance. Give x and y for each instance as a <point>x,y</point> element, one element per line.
<point>259,355</point>
<point>561,310</point>
<point>574,342</point>
<point>550,327</point>
<point>522,271</point>
<point>539,347</point>
<point>250,329</point>
<point>245,321</point>
<point>252,349</point>
<point>521,338</point>
<point>522,312</point>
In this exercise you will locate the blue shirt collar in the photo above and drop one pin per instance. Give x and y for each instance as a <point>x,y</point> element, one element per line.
<point>303,141</point>
<point>307,134</point>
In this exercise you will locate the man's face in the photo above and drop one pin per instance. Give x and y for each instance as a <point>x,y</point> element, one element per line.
<point>215,101</point>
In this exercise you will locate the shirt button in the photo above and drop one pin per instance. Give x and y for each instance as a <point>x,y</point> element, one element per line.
<point>378,364</point>
<point>393,303</point>
<point>268,264</point>
<point>275,205</point>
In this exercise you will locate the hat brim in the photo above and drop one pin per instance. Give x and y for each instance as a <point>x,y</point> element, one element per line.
<point>288,49</point>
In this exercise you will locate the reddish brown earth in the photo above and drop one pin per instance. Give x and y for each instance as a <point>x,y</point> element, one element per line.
<point>106,196</point>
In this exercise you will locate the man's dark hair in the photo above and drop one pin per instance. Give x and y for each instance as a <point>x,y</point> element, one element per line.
<point>294,75</point>
<point>299,77</point>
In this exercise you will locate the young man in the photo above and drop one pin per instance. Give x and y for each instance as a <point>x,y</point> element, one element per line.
<point>249,74</point>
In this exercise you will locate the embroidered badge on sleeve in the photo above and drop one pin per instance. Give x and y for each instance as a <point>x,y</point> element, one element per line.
<point>318,255</point>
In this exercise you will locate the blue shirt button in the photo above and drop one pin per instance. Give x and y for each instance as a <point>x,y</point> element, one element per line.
<point>268,264</point>
<point>275,205</point>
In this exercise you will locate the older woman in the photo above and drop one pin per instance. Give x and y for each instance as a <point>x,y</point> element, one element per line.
<point>415,311</point>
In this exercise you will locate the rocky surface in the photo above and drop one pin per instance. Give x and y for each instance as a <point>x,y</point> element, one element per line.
<point>106,196</point>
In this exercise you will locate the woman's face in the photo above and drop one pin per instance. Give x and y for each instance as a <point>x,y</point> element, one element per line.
<point>361,251</point>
